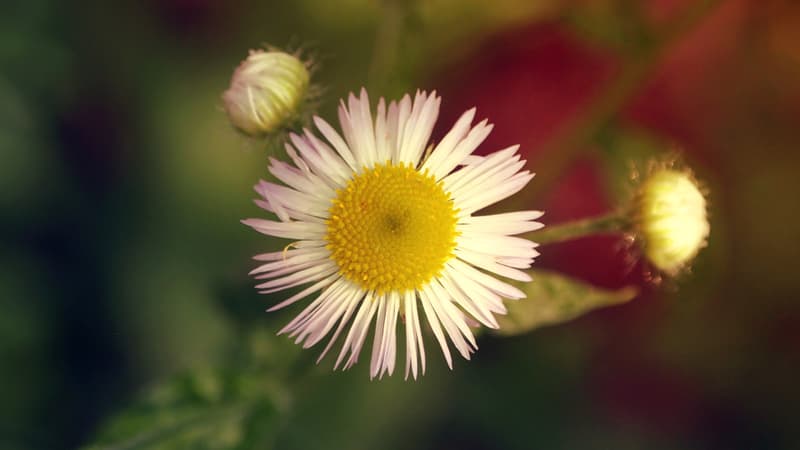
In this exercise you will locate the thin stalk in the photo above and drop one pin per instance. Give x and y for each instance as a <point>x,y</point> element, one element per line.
<point>610,223</point>
<point>561,151</point>
<point>387,42</point>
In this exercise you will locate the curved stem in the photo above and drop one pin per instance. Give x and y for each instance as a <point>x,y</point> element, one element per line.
<point>561,151</point>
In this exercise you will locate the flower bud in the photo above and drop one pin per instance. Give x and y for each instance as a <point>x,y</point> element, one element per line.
<point>671,219</point>
<point>267,91</point>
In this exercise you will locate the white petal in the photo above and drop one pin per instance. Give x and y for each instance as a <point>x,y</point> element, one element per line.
<point>279,268</point>
<point>304,182</point>
<point>468,145</point>
<point>419,127</point>
<point>486,262</point>
<point>494,195</point>
<point>497,177</point>
<point>286,253</point>
<point>462,322</point>
<point>298,278</point>
<point>382,138</point>
<point>288,230</point>
<point>493,284</point>
<point>394,304</point>
<point>346,122</point>
<point>505,223</point>
<point>448,143</point>
<point>392,119</point>
<point>477,309</point>
<point>497,245</point>
<point>287,196</point>
<point>301,319</point>
<point>354,301</point>
<point>482,297</point>
<point>333,175</point>
<point>412,297</point>
<point>425,298</point>
<point>384,346</point>
<point>298,161</point>
<point>404,133</point>
<point>327,318</point>
<point>274,205</point>
<point>507,228</point>
<point>376,362</point>
<point>365,130</point>
<point>358,331</point>
<point>452,319</point>
<point>519,263</point>
<point>412,325</point>
<point>337,142</point>
<point>333,163</point>
<point>360,136</point>
<point>305,292</point>
<point>464,176</point>
<point>399,126</point>
<point>291,213</point>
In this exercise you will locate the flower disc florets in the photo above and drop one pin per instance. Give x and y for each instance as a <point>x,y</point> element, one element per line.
<point>391,229</point>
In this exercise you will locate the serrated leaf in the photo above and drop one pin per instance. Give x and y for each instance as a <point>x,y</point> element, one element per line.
<point>200,411</point>
<point>554,298</point>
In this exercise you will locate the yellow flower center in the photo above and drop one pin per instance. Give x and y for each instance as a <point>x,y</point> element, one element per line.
<point>391,229</point>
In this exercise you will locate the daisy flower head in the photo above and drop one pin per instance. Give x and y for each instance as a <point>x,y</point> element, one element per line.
<point>383,229</point>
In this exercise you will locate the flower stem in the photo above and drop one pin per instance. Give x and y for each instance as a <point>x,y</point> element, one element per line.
<point>387,42</point>
<point>614,222</point>
<point>563,149</point>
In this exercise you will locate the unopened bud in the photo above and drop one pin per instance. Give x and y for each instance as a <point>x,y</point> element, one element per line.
<point>267,91</point>
<point>671,219</point>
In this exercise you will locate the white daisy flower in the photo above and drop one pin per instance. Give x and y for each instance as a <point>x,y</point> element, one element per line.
<point>382,230</point>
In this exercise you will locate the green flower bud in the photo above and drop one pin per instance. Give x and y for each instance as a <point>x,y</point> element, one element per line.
<point>671,219</point>
<point>267,92</point>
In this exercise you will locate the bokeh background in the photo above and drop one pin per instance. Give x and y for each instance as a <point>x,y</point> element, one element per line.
<point>123,264</point>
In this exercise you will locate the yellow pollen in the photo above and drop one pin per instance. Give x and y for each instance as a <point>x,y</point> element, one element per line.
<point>391,228</point>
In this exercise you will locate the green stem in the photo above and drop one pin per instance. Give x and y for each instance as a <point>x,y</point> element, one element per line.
<point>560,152</point>
<point>387,40</point>
<point>610,223</point>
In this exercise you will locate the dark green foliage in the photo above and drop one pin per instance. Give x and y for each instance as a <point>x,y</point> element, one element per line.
<point>203,410</point>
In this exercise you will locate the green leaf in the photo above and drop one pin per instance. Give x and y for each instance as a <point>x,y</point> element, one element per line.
<point>203,410</point>
<point>553,298</point>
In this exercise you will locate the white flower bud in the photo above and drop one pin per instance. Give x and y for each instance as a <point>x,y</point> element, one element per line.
<point>267,91</point>
<point>671,219</point>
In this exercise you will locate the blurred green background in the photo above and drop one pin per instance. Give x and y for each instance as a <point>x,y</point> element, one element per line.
<point>124,264</point>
